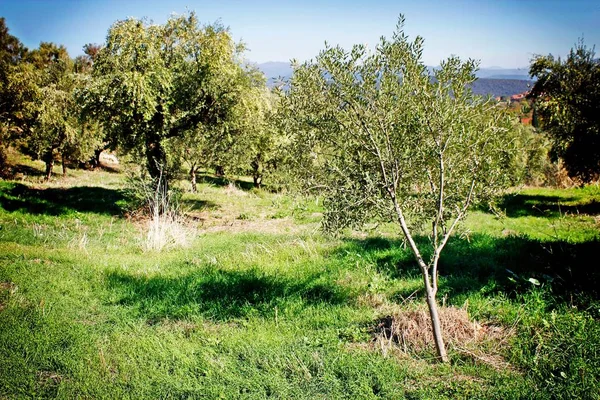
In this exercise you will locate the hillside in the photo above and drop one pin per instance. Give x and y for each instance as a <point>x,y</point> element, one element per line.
<point>492,81</point>
<point>257,303</point>
<point>500,87</point>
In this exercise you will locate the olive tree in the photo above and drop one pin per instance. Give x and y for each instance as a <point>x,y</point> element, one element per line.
<point>55,127</point>
<point>154,83</point>
<point>254,150</point>
<point>383,138</point>
<point>567,106</point>
<point>228,144</point>
<point>15,89</point>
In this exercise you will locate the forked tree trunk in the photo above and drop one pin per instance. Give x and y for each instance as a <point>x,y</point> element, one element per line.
<point>430,289</point>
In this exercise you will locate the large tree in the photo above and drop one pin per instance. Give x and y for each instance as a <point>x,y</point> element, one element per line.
<point>384,139</point>
<point>567,105</point>
<point>153,83</point>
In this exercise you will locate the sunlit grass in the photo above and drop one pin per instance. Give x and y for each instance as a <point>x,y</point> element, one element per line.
<point>261,304</point>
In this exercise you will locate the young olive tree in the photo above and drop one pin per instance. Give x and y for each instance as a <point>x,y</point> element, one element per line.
<point>384,139</point>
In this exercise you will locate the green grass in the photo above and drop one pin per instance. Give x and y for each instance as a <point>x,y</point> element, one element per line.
<point>261,304</point>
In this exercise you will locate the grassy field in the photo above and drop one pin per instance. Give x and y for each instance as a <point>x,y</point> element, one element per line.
<point>260,304</point>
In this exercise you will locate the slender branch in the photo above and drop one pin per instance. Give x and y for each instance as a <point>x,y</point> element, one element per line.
<point>407,235</point>
<point>439,216</point>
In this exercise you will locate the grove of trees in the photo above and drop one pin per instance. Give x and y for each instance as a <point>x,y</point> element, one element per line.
<point>153,83</point>
<point>378,134</point>
<point>173,94</point>
<point>39,112</point>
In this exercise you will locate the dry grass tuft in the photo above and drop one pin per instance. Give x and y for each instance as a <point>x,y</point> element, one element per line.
<point>410,332</point>
<point>166,231</point>
<point>167,228</point>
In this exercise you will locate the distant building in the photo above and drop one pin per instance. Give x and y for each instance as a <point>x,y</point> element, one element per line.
<point>526,120</point>
<point>519,96</point>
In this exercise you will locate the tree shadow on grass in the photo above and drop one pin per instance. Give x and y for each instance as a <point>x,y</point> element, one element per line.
<point>218,294</point>
<point>60,201</point>
<point>390,256</point>
<point>198,205</point>
<point>484,263</point>
<point>509,263</point>
<point>224,181</point>
<point>522,205</point>
<point>25,170</point>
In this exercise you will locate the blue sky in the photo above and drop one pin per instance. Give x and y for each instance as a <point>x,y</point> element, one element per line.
<point>504,33</point>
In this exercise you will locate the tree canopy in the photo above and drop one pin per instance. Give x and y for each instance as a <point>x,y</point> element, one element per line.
<point>55,125</point>
<point>381,138</point>
<point>153,83</point>
<point>567,104</point>
<point>14,87</point>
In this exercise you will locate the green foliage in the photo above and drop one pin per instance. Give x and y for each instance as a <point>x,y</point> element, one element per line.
<point>155,83</point>
<point>567,102</point>
<point>532,162</point>
<point>14,89</point>
<point>259,147</point>
<point>56,125</point>
<point>365,124</point>
<point>241,137</point>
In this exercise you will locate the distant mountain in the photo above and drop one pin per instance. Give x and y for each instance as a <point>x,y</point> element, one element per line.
<point>500,87</point>
<point>518,77</point>
<point>493,81</point>
<point>504,73</point>
<point>275,69</point>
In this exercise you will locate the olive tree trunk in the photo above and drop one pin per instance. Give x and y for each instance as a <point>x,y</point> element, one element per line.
<point>49,160</point>
<point>64,164</point>
<point>193,178</point>
<point>430,282</point>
